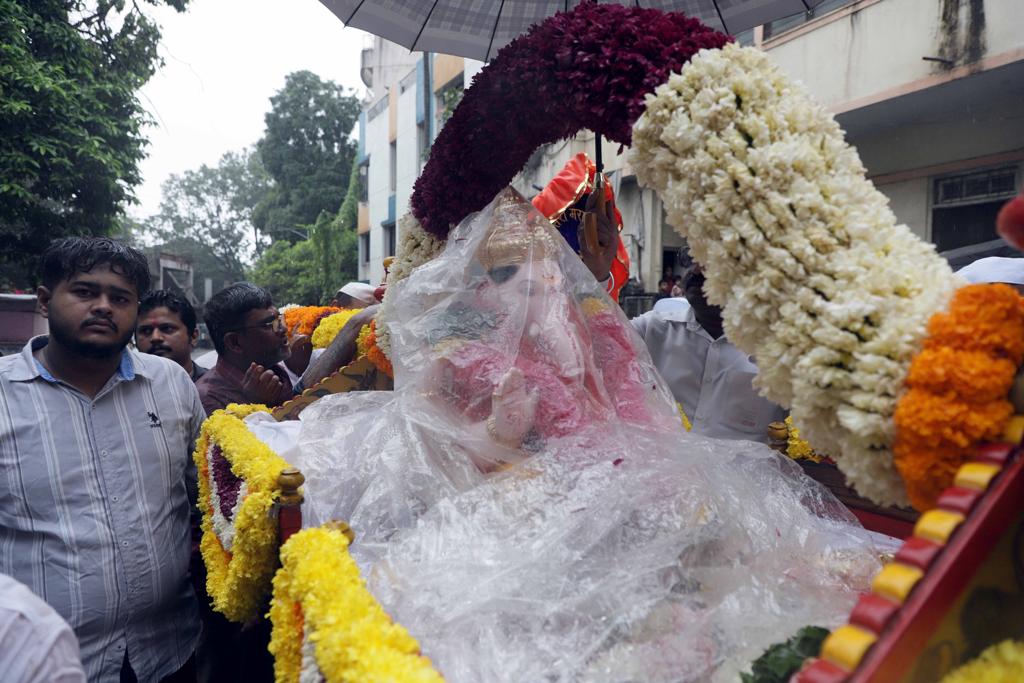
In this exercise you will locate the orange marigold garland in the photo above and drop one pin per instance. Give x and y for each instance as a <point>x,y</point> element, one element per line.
<point>304,319</point>
<point>374,353</point>
<point>957,387</point>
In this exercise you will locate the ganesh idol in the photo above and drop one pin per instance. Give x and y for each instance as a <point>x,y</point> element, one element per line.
<point>527,502</point>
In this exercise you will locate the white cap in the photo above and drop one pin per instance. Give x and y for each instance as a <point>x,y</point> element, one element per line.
<point>360,291</point>
<point>994,269</point>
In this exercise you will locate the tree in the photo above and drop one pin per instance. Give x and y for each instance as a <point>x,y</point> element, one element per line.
<point>208,212</point>
<point>307,151</point>
<point>336,242</point>
<point>289,273</point>
<point>70,120</point>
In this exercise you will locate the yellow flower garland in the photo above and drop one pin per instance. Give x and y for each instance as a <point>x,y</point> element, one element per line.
<point>796,447</point>
<point>237,581</point>
<point>319,591</point>
<point>363,341</point>
<point>328,328</point>
<point>1000,663</point>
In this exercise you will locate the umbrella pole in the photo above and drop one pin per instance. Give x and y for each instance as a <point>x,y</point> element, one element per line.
<point>597,152</point>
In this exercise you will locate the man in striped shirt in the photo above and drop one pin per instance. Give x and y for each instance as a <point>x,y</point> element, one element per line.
<point>95,470</point>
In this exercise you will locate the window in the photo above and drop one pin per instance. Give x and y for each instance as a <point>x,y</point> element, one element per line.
<point>364,248</point>
<point>364,183</point>
<point>393,164</point>
<point>389,240</point>
<point>964,209</point>
<point>745,38</point>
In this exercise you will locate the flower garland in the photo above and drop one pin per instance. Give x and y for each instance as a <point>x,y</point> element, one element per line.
<point>329,327</point>
<point>1000,663</point>
<point>588,68</point>
<point>958,387</point>
<point>375,353</point>
<point>815,277</point>
<point>796,447</point>
<point>362,341</point>
<point>320,598</point>
<point>237,490</point>
<point>304,319</point>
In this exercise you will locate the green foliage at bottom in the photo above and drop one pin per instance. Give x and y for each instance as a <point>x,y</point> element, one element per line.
<point>780,661</point>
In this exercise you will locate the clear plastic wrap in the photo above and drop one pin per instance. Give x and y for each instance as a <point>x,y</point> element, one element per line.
<point>527,503</point>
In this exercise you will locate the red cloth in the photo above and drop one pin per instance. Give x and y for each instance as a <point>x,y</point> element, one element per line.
<point>574,182</point>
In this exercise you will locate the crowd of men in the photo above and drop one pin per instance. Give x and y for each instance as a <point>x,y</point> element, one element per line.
<point>99,570</point>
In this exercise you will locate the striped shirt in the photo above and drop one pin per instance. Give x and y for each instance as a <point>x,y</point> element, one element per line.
<point>94,506</point>
<point>36,645</point>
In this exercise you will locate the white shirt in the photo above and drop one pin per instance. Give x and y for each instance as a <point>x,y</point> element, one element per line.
<point>711,378</point>
<point>36,644</point>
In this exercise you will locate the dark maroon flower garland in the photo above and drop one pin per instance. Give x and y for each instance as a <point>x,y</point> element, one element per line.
<point>588,68</point>
<point>228,485</point>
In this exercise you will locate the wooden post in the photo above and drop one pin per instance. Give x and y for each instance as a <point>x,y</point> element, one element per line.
<point>778,436</point>
<point>289,517</point>
<point>343,528</point>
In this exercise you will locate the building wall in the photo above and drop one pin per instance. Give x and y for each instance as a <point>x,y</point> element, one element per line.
<point>873,50</point>
<point>913,120</point>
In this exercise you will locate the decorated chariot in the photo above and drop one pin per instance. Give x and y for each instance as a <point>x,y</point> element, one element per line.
<point>892,366</point>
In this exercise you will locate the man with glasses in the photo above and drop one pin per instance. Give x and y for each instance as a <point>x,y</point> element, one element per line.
<point>251,342</point>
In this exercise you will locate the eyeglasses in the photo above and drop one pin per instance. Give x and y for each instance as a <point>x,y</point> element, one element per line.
<point>275,325</point>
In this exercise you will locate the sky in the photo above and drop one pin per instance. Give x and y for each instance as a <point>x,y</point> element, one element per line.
<point>224,59</point>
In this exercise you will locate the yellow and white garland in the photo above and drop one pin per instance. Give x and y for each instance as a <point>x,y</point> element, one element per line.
<point>327,625</point>
<point>816,278</point>
<point>328,328</point>
<point>241,553</point>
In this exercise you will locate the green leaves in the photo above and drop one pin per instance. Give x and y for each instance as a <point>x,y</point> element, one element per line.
<point>780,661</point>
<point>70,121</point>
<point>307,151</point>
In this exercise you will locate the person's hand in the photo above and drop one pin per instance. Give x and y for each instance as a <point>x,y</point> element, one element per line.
<point>261,385</point>
<point>513,408</point>
<point>301,349</point>
<point>599,261</point>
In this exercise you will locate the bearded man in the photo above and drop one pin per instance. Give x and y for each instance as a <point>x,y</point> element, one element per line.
<point>95,441</point>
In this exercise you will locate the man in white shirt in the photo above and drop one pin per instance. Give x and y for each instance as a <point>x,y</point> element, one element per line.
<point>36,644</point>
<point>710,377</point>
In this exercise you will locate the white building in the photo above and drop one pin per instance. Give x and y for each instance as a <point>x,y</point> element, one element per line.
<point>931,92</point>
<point>401,117</point>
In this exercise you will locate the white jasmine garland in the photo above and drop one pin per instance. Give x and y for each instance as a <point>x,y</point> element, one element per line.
<point>816,278</point>
<point>416,246</point>
<point>310,670</point>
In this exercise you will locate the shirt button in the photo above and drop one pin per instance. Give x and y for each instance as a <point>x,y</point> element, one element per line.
<point>124,543</point>
<point>103,453</point>
<point>114,498</point>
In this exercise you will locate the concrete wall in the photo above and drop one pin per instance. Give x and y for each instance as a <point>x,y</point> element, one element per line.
<point>873,49</point>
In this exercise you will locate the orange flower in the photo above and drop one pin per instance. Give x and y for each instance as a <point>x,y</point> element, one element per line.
<point>304,319</point>
<point>968,374</point>
<point>377,356</point>
<point>957,387</point>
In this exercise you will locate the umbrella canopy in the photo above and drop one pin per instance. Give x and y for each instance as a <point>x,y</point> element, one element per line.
<point>477,29</point>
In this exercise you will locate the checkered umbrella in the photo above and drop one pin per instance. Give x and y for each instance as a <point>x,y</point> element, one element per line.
<point>479,28</point>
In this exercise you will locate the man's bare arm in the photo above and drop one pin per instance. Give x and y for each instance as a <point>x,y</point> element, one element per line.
<point>341,351</point>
